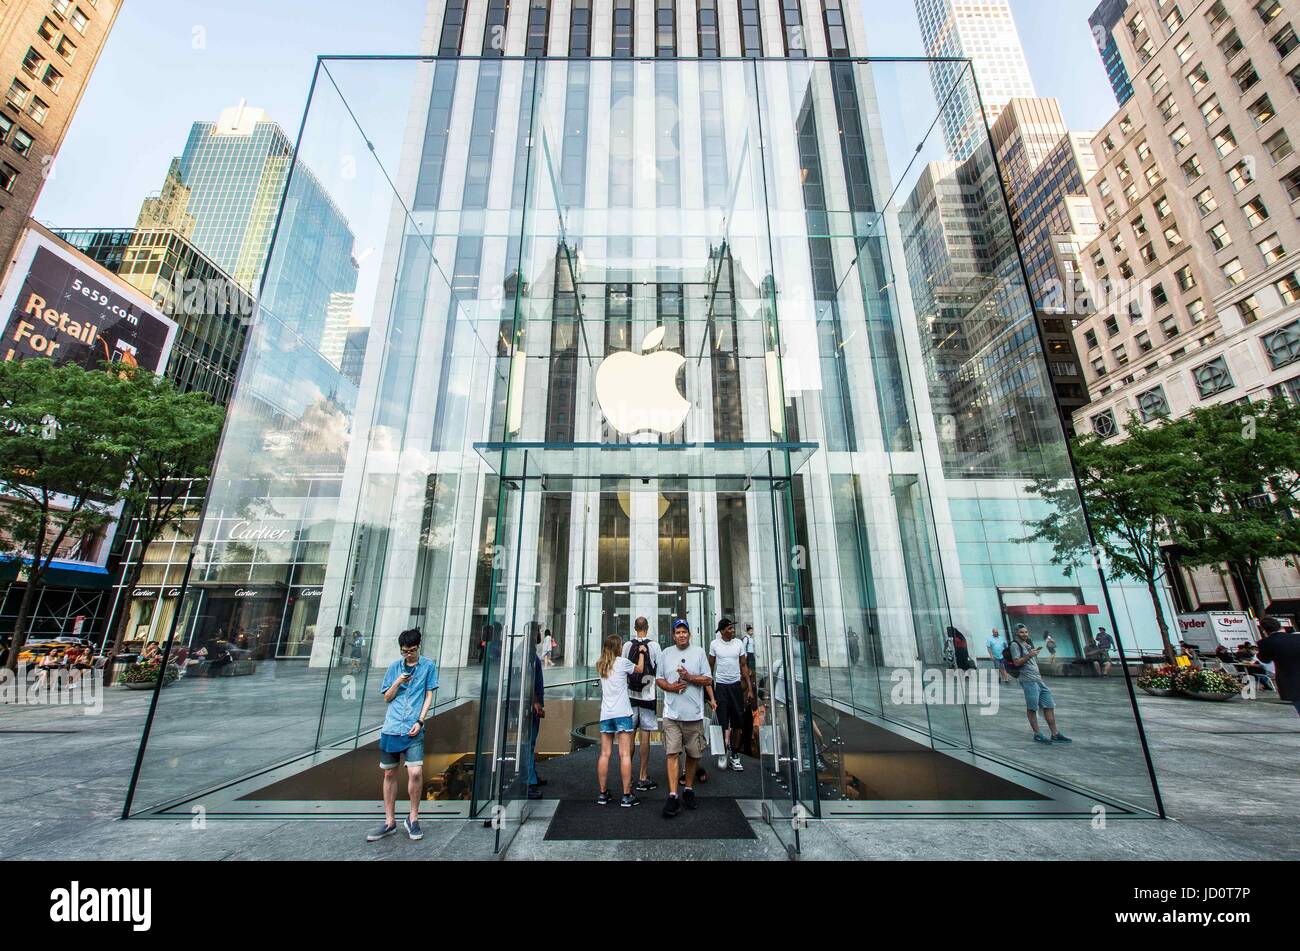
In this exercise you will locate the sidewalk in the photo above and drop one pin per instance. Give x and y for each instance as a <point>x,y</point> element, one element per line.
<point>1229,774</point>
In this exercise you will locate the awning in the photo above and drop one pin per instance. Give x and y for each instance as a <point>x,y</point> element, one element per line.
<point>1039,610</point>
<point>61,576</point>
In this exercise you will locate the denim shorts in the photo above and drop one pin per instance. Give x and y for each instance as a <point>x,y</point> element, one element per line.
<point>1038,696</point>
<point>618,725</point>
<point>414,755</point>
<point>645,719</point>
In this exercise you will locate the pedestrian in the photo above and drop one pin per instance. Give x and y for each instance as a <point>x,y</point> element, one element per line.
<point>408,688</point>
<point>1282,650</point>
<point>1105,644</point>
<point>751,706</point>
<point>961,650</point>
<point>535,783</point>
<point>995,645</point>
<point>683,675</point>
<point>358,651</point>
<point>733,689</point>
<point>1050,644</point>
<point>548,649</point>
<point>616,717</point>
<point>1022,663</point>
<point>645,699</point>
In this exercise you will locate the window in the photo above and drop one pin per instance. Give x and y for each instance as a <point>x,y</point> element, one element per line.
<point>1172,236</point>
<point>1292,183</point>
<point>1168,107</point>
<point>1231,45</point>
<point>1103,424</point>
<point>1216,15</point>
<point>623,26</point>
<point>1158,80</point>
<point>1261,110</point>
<point>1234,272</point>
<point>6,126</point>
<point>17,95</point>
<point>1090,338</point>
<point>1173,19</point>
<point>32,62</point>
<point>38,109</point>
<point>1240,176</point>
<point>1285,41</point>
<point>47,30</point>
<point>1212,111</point>
<point>1268,10</point>
<point>1196,311</point>
<point>1112,326</point>
<point>1206,202</point>
<point>1256,212</point>
<point>1198,78</point>
<point>1139,226</point>
<point>751,34</point>
<point>1279,147</point>
<point>1163,207</point>
<point>1148,253</point>
<point>1225,143</point>
<point>1289,288</point>
<point>1185,49</point>
<point>1170,327</point>
<point>1283,345</point>
<point>22,142</point>
<point>1120,353</point>
<point>1248,309</point>
<point>1125,127</point>
<point>1192,168</point>
<point>61,7</point>
<point>79,21</point>
<point>1143,150</point>
<point>1123,170</point>
<point>1186,279</point>
<point>52,78</point>
<point>665,28</point>
<point>1247,77</point>
<point>1181,138</point>
<point>1143,340</point>
<point>67,49</point>
<point>1099,366</point>
<point>1159,296</point>
<point>1152,404</point>
<point>1272,250</point>
<point>1219,236</point>
<point>8,175</point>
<point>1213,377</point>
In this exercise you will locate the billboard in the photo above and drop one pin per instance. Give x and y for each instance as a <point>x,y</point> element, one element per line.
<point>62,306</point>
<point>1208,632</point>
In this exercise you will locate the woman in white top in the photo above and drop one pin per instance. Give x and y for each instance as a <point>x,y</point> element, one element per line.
<point>616,716</point>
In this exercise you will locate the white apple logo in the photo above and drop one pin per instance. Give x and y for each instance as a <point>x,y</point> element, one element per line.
<point>637,392</point>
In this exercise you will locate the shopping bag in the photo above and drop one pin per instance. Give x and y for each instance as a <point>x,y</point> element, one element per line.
<point>767,739</point>
<point>717,742</point>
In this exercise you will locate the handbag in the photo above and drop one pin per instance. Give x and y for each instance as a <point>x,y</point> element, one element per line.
<point>717,742</point>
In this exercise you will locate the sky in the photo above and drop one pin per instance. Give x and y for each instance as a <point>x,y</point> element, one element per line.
<point>170,63</point>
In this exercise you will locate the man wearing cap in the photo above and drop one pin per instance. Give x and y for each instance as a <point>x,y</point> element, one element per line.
<point>683,675</point>
<point>732,687</point>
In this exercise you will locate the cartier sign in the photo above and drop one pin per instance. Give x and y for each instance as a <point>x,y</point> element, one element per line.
<point>248,532</point>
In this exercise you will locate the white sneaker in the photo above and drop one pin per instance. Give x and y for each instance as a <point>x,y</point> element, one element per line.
<point>736,764</point>
<point>722,762</point>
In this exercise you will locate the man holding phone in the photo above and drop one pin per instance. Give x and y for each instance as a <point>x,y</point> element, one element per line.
<point>408,688</point>
<point>1024,657</point>
<point>683,675</point>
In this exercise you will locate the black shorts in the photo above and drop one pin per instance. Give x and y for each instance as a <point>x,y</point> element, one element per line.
<point>731,705</point>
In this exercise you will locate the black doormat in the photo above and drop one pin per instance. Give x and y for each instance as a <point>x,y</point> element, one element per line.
<point>582,821</point>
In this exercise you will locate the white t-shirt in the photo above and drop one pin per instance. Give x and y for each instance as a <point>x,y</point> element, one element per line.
<point>614,701</point>
<point>689,704</point>
<point>728,655</point>
<point>648,691</point>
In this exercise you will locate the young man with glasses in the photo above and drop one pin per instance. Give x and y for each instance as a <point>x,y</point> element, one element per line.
<point>408,688</point>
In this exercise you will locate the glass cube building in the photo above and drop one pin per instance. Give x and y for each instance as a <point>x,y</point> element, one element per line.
<point>673,310</point>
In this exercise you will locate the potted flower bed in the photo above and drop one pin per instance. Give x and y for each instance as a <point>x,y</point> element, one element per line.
<point>144,676</point>
<point>1202,684</point>
<point>1159,681</point>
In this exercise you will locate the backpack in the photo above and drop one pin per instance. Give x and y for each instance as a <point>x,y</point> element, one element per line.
<point>1010,658</point>
<point>635,681</point>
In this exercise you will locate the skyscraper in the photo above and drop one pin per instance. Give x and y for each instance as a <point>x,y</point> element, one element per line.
<point>47,51</point>
<point>984,32</point>
<point>234,172</point>
<point>1103,21</point>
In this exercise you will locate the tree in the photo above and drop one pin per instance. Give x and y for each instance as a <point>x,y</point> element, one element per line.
<point>1132,489</point>
<point>62,465</point>
<point>172,438</point>
<point>1244,472</point>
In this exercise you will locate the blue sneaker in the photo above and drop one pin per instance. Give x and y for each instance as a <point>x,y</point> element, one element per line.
<point>1039,738</point>
<point>1061,738</point>
<point>413,829</point>
<point>382,832</point>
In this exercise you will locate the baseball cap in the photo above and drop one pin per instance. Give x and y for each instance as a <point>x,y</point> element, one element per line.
<point>681,622</point>
<point>723,624</point>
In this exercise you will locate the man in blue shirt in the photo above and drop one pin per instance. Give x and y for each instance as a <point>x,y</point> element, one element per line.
<point>408,688</point>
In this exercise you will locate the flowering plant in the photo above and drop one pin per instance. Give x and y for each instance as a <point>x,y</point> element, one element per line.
<point>1200,680</point>
<point>1158,678</point>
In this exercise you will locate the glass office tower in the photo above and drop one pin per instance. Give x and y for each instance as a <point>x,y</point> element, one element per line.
<point>643,341</point>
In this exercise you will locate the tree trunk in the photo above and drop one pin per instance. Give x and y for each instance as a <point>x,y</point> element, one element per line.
<point>1248,575</point>
<point>1161,622</point>
<point>20,625</point>
<point>119,629</point>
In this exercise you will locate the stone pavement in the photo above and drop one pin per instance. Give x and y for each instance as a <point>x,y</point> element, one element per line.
<point>1228,773</point>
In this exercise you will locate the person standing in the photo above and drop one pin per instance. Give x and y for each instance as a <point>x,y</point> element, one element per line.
<point>995,645</point>
<point>1050,643</point>
<point>1282,650</point>
<point>548,649</point>
<point>645,699</point>
<point>616,717</point>
<point>732,688</point>
<point>1024,658</point>
<point>961,650</point>
<point>1105,644</point>
<point>751,706</point>
<point>408,688</point>
<point>683,675</point>
<point>535,725</point>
